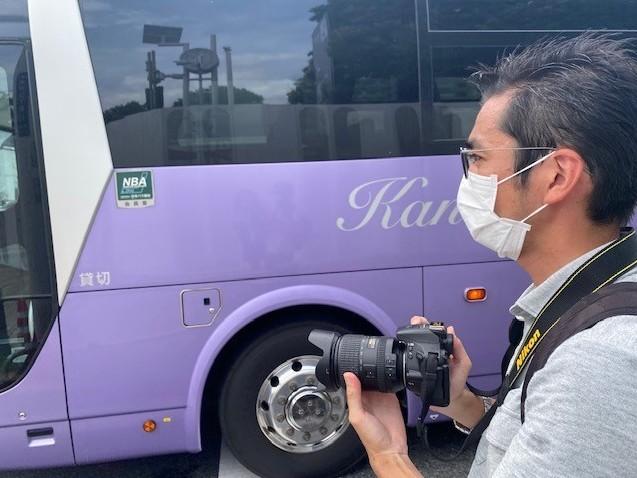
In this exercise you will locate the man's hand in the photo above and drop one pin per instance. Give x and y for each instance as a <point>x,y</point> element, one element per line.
<point>464,406</point>
<point>459,366</point>
<point>377,419</point>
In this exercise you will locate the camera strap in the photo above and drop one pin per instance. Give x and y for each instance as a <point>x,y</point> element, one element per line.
<point>597,272</point>
<point>430,380</point>
<point>611,301</point>
<point>600,270</point>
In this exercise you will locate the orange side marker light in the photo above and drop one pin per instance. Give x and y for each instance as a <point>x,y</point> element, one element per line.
<point>475,294</point>
<point>150,426</point>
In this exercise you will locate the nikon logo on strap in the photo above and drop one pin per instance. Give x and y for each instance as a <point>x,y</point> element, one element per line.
<point>528,347</point>
<point>599,270</point>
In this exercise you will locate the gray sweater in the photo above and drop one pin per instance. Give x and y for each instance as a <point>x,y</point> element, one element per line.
<point>581,408</point>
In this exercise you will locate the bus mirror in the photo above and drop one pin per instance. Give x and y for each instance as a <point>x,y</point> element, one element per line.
<point>9,189</point>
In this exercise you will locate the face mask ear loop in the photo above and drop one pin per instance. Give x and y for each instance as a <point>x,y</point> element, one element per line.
<point>525,168</point>
<point>537,211</point>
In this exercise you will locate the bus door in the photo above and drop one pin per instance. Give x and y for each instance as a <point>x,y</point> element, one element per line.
<point>34,427</point>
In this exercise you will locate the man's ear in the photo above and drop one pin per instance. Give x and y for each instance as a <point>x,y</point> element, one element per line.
<point>566,169</point>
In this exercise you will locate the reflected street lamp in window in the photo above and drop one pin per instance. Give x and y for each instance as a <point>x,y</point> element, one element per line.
<point>164,36</point>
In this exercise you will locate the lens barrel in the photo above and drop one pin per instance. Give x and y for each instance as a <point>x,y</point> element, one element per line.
<point>374,360</point>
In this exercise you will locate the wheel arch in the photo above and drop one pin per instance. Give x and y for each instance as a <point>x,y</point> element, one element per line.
<point>257,315</point>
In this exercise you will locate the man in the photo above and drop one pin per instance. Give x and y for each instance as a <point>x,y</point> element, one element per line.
<point>572,104</point>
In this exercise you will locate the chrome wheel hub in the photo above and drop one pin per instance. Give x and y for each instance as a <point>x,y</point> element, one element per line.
<point>295,413</point>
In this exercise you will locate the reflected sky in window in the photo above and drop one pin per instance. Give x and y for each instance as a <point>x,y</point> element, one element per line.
<point>13,18</point>
<point>270,41</point>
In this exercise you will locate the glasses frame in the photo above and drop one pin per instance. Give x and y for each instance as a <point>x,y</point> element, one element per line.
<point>464,154</point>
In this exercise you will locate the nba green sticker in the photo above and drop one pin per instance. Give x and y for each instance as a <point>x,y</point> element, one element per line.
<point>134,189</point>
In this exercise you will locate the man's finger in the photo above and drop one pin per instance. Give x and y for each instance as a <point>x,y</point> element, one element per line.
<point>417,320</point>
<point>459,352</point>
<point>354,400</point>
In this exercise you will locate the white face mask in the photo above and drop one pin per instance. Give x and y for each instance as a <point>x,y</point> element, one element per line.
<point>476,204</point>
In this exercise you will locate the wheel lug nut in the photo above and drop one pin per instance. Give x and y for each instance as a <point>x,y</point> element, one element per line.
<point>306,436</point>
<point>334,417</point>
<point>280,418</point>
<point>323,431</point>
<point>336,400</point>
<point>301,412</point>
<point>293,386</point>
<point>282,401</point>
<point>290,432</point>
<point>310,381</point>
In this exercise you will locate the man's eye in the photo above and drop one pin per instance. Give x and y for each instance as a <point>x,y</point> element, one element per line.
<point>473,158</point>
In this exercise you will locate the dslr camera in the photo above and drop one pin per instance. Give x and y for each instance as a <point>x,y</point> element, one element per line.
<point>417,359</point>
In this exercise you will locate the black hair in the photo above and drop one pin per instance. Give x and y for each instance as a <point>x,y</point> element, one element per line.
<point>579,93</point>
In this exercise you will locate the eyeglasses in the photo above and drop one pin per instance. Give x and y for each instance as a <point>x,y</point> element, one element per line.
<point>467,156</point>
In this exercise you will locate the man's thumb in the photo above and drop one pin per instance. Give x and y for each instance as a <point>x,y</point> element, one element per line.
<point>459,353</point>
<point>354,401</point>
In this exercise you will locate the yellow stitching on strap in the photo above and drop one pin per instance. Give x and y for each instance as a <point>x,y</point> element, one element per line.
<point>629,266</point>
<point>570,279</point>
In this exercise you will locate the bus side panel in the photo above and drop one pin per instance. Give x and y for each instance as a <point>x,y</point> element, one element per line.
<point>234,222</point>
<point>18,450</point>
<point>482,326</point>
<point>122,436</point>
<point>127,351</point>
<point>38,402</point>
<point>45,379</point>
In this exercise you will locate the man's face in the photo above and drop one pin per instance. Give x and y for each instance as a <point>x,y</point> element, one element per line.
<point>513,201</point>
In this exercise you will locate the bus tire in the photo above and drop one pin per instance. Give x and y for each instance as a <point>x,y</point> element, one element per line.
<point>273,367</point>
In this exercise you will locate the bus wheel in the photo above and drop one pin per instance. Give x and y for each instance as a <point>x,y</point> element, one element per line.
<point>273,416</point>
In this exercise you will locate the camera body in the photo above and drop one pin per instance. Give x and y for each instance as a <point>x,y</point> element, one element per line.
<point>417,359</point>
<point>427,350</point>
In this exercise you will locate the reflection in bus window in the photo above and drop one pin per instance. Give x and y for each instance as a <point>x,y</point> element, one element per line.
<point>225,86</point>
<point>9,189</point>
<point>314,140</point>
<point>408,130</point>
<point>532,15</point>
<point>26,307</point>
<point>347,133</point>
<point>456,101</point>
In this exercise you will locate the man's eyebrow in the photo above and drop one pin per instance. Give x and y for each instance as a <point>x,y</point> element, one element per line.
<point>474,143</point>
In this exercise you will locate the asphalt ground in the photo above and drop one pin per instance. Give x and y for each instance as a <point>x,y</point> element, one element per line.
<point>216,462</point>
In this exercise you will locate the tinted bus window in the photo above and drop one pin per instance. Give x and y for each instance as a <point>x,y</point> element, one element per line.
<point>26,299</point>
<point>14,21</point>
<point>456,100</point>
<point>532,15</point>
<point>255,81</point>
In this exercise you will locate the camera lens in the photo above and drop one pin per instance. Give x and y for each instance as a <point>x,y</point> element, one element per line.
<point>417,359</point>
<point>374,360</point>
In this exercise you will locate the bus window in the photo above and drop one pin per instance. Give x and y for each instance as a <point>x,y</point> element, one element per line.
<point>314,139</point>
<point>301,82</point>
<point>8,168</point>
<point>456,101</point>
<point>537,15</point>
<point>26,305</point>
<point>408,130</point>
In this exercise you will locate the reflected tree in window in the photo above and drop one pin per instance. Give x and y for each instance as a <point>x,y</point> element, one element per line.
<point>363,52</point>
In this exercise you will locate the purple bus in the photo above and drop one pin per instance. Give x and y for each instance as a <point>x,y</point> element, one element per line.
<point>188,188</point>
